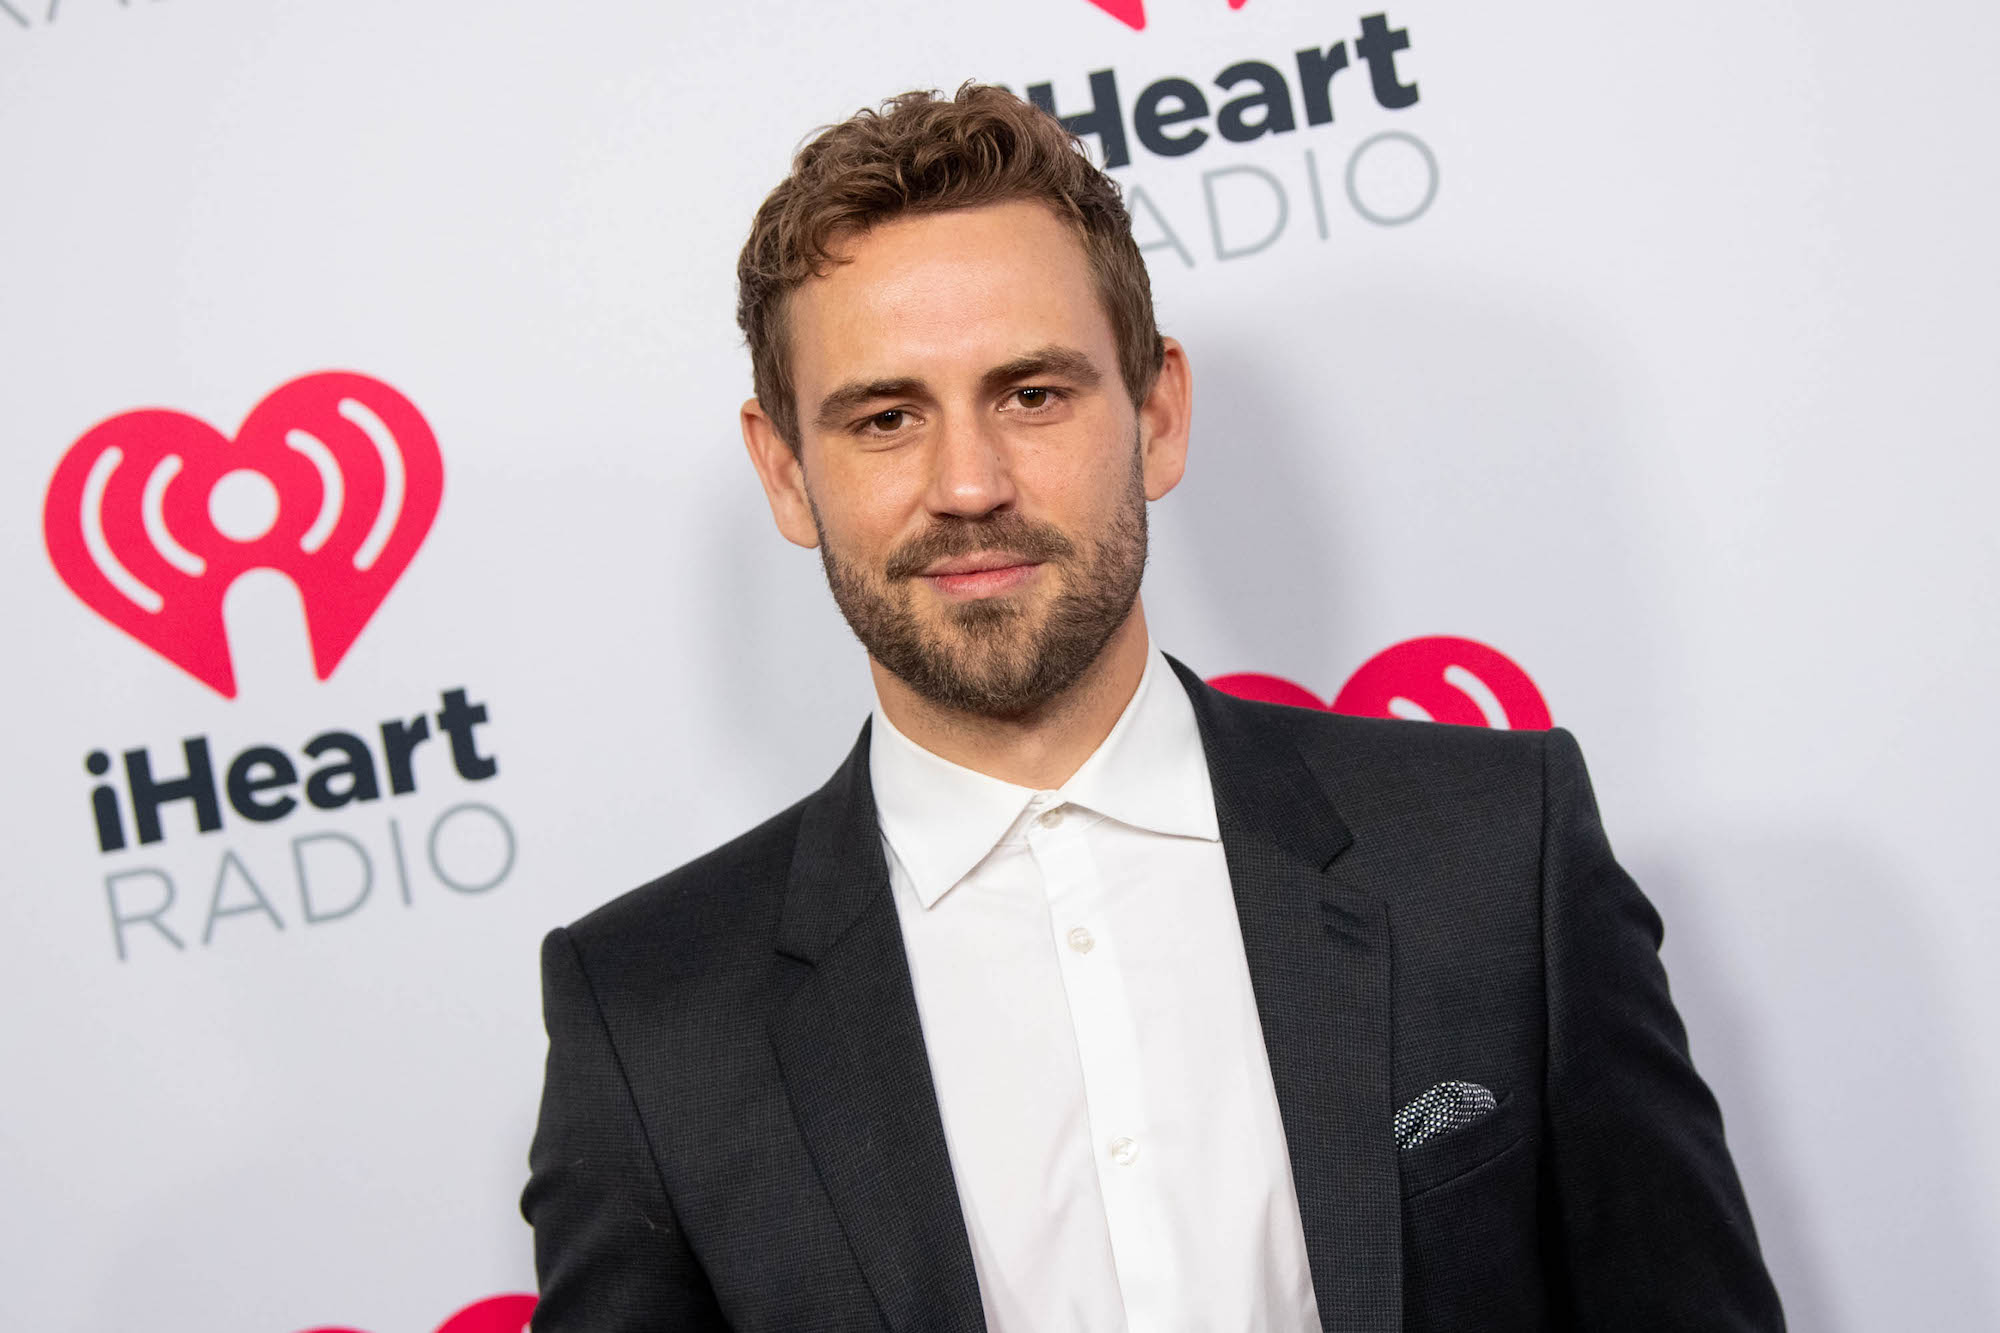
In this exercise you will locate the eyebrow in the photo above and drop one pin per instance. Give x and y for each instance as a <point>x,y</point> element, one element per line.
<point>1051,362</point>
<point>836,407</point>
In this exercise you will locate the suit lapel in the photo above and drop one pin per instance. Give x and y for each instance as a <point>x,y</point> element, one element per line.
<point>851,1051</point>
<point>1319,959</point>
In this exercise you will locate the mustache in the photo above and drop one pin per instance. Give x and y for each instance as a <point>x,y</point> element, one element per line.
<point>1038,543</point>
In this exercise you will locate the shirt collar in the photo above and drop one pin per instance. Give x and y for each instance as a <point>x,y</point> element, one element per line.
<point>941,819</point>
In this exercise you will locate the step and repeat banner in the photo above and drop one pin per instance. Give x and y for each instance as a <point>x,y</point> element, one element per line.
<point>384,583</point>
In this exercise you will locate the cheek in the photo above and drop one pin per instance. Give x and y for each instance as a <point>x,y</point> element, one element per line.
<point>865,503</point>
<point>1082,488</point>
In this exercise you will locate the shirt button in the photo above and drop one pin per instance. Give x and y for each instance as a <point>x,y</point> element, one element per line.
<point>1081,940</point>
<point>1051,818</point>
<point>1124,1151</point>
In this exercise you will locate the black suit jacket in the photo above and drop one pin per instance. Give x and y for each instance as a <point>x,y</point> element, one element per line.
<point>738,1127</point>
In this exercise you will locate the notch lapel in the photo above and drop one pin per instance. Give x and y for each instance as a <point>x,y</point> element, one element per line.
<point>850,1049</point>
<point>1319,957</point>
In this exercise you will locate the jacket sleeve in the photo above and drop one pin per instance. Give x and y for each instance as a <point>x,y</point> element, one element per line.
<point>1650,1227</point>
<point>609,1253</point>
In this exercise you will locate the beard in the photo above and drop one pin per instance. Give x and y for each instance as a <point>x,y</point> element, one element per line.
<point>1006,656</point>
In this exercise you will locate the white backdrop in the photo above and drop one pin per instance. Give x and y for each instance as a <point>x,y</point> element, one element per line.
<point>1680,392</point>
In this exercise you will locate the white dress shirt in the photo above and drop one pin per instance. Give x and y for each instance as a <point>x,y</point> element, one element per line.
<point>1092,1035</point>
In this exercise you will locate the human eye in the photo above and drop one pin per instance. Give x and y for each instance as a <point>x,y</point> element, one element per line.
<point>1037,397</point>
<point>886,422</point>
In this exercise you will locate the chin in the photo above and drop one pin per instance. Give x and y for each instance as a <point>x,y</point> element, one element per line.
<point>989,615</point>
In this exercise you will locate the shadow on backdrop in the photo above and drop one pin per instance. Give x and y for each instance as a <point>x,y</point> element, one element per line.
<point>1843,1080</point>
<point>1459,461</point>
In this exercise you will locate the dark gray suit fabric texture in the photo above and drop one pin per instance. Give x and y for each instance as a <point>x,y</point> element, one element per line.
<point>739,1129</point>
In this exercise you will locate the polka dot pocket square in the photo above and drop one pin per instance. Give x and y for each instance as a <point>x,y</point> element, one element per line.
<point>1444,1109</point>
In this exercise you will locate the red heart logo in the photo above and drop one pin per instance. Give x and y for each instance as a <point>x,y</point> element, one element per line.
<point>1434,679</point>
<point>495,1314</point>
<point>342,478</point>
<point>1132,13</point>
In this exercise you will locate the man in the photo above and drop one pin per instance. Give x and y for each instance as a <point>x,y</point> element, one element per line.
<point>1082,996</point>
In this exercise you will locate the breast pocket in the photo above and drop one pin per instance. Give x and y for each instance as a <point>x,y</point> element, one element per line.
<point>1471,1245</point>
<point>1443,1159</point>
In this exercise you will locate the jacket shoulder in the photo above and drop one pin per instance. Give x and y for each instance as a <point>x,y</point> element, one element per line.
<point>1384,773</point>
<point>720,904</point>
<point>1391,745</point>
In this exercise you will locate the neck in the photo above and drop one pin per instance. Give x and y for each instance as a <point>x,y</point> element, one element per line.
<point>1044,748</point>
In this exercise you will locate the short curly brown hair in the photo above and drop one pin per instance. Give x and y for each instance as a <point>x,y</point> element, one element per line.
<point>925,153</point>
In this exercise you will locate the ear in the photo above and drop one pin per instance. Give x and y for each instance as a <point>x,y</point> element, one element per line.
<point>1164,419</point>
<point>783,476</point>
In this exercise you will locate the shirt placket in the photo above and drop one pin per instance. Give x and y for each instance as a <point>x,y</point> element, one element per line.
<point>1107,1041</point>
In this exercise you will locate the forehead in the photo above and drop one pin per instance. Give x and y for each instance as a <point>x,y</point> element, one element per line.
<point>937,294</point>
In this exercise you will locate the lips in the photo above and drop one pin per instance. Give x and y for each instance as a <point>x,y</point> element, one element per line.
<point>985,575</point>
<point>984,562</point>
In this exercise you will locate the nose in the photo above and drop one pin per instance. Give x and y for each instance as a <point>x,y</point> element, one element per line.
<point>971,472</point>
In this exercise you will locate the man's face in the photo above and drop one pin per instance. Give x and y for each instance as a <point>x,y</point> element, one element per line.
<point>973,469</point>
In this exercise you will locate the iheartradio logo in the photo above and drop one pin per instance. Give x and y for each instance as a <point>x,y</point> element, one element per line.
<point>1435,679</point>
<point>1132,13</point>
<point>333,480</point>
